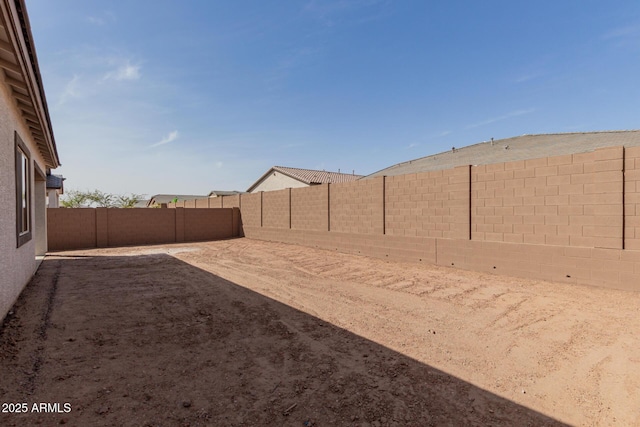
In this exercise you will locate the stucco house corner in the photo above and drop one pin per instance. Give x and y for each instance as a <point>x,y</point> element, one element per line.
<point>27,154</point>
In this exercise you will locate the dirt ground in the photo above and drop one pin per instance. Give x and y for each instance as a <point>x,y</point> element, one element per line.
<point>249,333</point>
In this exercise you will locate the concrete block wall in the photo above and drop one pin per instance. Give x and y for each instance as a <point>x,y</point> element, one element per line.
<point>215,202</point>
<point>209,224</point>
<point>103,227</point>
<point>428,204</point>
<point>251,210</point>
<point>231,201</point>
<point>392,248</point>
<point>357,207</point>
<point>71,228</point>
<point>310,208</point>
<point>138,226</point>
<point>632,198</point>
<point>612,268</point>
<point>572,219</point>
<point>572,200</point>
<point>202,203</point>
<point>276,209</point>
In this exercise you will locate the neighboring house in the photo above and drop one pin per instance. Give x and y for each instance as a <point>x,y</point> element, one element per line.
<point>517,148</point>
<point>55,187</point>
<point>159,199</point>
<point>280,177</point>
<point>141,203</point>
<point>27,154</point>
<point>220,193</point>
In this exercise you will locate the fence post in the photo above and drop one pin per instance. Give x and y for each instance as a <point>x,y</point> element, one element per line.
<point>289,208</point>
<point>470,211</point>
<point>384,204</point>
<point>235,219</point>
<point>102,227</point>
<point>329,206</point>
<point>179,225</point>
<point>624,210</point>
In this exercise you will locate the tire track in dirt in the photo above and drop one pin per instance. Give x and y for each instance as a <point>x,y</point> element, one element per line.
<point>507,314</point>
<point>38,356</point>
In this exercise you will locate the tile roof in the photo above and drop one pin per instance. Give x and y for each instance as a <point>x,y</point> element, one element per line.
<point>517,148</point>
<point>311,177</point>
<point>55,181</point>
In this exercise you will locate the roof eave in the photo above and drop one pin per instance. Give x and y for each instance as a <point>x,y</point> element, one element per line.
<point>33,104</point>
<point>266,174</point>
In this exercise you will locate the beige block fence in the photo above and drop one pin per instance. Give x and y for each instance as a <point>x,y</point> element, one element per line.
<point>572,218</point>
<point>107,227</point>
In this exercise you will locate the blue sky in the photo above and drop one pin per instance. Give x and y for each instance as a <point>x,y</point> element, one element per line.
<point>191,96</point>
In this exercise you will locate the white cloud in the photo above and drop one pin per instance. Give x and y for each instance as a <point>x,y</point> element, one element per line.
<point>622,32</point>
<point>331,13</point>
<point>124,72</point>
<point>292,145</point>
<point>70,91</point>
<point>95,20</point>
<point>167,139</point>
<point>526,77</point>
<point>324,7</point>
<point>101,19</point>
<point>503,117</point>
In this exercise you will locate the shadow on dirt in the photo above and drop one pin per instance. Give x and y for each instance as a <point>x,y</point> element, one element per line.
<point>150,340</point>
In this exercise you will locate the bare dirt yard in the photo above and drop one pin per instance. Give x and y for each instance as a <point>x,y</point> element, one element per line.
<point>250,333</point>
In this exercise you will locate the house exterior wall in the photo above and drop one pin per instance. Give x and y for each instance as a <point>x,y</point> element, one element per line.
<point>40,212</point>
<point>277,181</point>
<point>17,265</point>
<point>53,198</point>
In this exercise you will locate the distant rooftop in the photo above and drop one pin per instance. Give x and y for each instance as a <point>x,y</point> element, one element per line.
<point>517,148</point>
<point>219,193</point>
<point>310,176</point>
<point>168,198</point>
<point>55,181</point>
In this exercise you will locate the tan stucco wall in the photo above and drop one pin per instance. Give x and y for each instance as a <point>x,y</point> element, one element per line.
<point>53,198</point>
<point>278,181</point>
<point>17,265</point>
